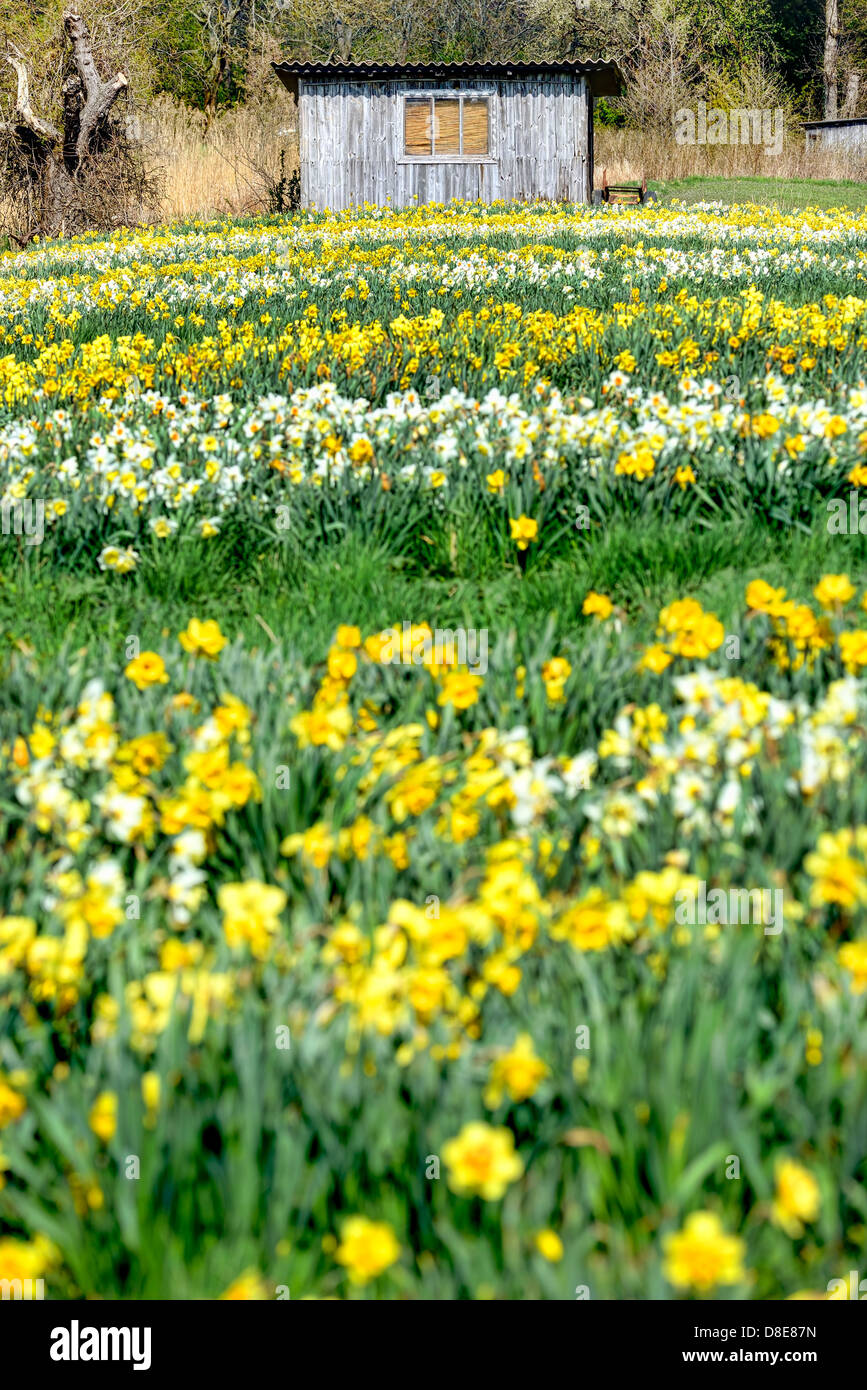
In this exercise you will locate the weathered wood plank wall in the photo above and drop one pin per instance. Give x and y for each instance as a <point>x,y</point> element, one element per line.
<point>846,138</point>
<point>351,136</point>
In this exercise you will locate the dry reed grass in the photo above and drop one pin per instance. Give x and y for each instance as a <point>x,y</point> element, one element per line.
<point>228,169</point>
<point>631,155</point>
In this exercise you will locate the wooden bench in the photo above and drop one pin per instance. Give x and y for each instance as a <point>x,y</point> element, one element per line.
<point>627,194</point>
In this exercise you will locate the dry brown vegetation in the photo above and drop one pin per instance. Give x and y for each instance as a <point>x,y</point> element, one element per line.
<point>233,167</point>
<point>631,154</point>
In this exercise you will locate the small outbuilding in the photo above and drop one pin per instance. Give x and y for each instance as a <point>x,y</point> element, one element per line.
<point>848,136</point>
<point>430,132</point>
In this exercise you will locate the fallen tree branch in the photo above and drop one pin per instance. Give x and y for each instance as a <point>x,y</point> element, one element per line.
<point>21,242</point>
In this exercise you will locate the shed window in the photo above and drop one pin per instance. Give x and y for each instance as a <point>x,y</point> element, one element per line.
<point>417,127</point>
<point>446,127</point>
<point>475,126</point>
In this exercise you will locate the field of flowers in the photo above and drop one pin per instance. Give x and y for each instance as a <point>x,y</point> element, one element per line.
<point>334,964</point>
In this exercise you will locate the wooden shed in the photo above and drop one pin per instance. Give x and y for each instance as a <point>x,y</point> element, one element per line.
<point>430,132</point>
<point>846,136</point>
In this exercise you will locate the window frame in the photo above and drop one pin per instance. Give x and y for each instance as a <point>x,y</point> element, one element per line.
<point>447,94</point>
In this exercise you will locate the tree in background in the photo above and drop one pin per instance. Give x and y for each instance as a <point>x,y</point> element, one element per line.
<point>321,30</point>
<point>201,55</point>
<point>843,56</point>
<point>205,53</point>
<point>668,50</point>
<point>403,31</point>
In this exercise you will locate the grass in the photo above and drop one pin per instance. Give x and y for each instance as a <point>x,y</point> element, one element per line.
<point>44,608</point>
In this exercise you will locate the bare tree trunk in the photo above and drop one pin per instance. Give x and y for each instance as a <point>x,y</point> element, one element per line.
<point>99,95</point>
<point>54,159</point>
<point>406,28</point>
<point>831,57</point>
<point>344,40</point>
<point>850,105</point>
<point>218,76</point>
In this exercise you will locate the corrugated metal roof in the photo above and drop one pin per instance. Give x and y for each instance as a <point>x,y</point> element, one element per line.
<point>605,77</point>
<point>846,120</point>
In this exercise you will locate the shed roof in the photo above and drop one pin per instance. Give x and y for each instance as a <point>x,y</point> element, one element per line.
<point>605,77</point>
<point>846,120</point>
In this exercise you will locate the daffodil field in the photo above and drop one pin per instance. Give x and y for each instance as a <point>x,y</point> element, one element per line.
<point>433,777</point>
